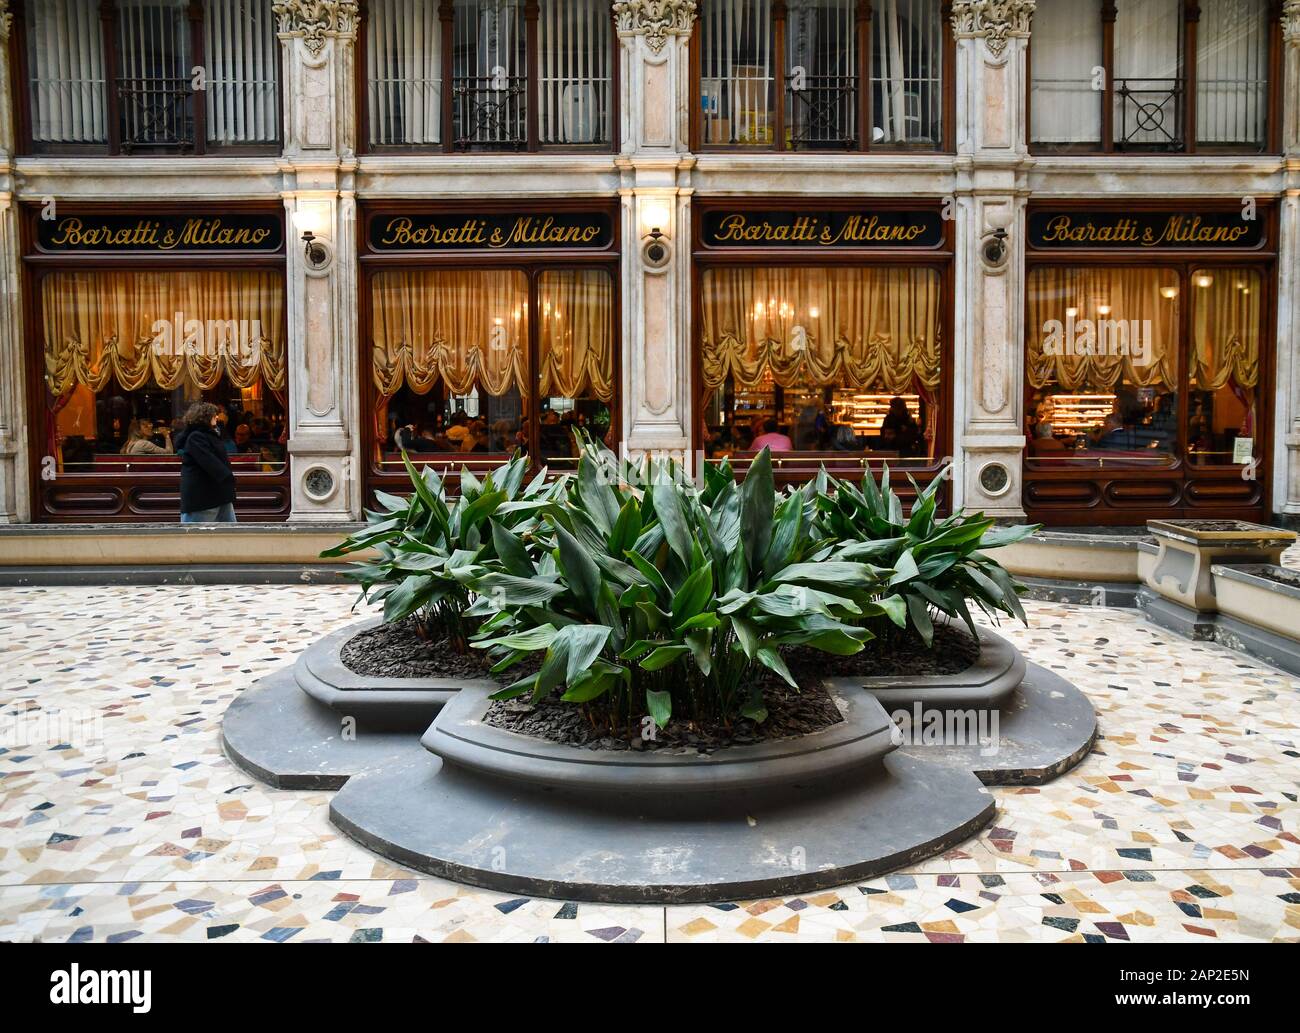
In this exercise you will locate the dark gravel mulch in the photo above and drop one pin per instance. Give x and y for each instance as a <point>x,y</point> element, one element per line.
<point>953,652</point>
<point>790,714</point>
<point>398,651</point>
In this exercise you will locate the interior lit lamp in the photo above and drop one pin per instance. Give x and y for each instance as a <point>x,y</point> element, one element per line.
<point>1169,293</point>
<point>1204,281</point>
<point>1103,310</point>
<point>1071,312</point>
<point>308,218</point>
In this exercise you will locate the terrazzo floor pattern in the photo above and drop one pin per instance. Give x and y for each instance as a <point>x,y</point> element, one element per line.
<point>120,818</point>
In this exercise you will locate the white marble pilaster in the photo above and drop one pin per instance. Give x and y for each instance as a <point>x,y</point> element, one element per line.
<point>653,165</point>
<point>1286,444</point>
<point>318,39</point>
<point>15,503</point>
<point>991,166</point>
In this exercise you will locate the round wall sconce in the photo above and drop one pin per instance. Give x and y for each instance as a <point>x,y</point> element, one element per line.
<point>656,248</point>
<point>311,220</point>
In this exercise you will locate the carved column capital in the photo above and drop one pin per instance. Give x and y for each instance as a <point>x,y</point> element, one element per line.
<point>1291,22</point>
<point>316,20</point>
<point>6,21</point>
<point>995,20</point>
<point>656,20</point>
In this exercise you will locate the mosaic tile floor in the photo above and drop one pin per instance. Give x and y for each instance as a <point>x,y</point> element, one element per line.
<point>120,818</point>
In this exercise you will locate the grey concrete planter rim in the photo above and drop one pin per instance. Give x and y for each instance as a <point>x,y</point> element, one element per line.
<point>1248,535</point>
<point>1249,574</point>
<point>324,660</point>
<point>993,677</point>
<point>460,736</point>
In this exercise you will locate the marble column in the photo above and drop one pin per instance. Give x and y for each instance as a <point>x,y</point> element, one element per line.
<point>15,503</point>
<point>318,38</point>
<point>991,165</point>
<point>654,168</point>
<point>1286,445</point>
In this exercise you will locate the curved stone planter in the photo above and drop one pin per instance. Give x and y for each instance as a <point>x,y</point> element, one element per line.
<point>1009,722</point>
<point>509,812</point>
<point>316,723</point>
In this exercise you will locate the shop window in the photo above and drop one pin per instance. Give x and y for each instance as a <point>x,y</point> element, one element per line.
<point>819,78</point>
<point>1102,362</point>
<point>1160,48</point>
<point>489,96</point>
<point>1223,373</point>
<point>153,102</point>
<point>126,353</point>
<point>451,370</point>
<point>835,360</point>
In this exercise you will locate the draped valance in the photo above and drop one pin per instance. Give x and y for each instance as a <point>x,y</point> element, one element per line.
<point>1064,345</point>
<point>575,333</point>
<point>1226,319</point>
<point>459,325</point>
<point>854,327</point>
<point>163,328</point>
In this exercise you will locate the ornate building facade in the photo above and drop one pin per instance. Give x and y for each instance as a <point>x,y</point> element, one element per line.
<point>1056,243</point>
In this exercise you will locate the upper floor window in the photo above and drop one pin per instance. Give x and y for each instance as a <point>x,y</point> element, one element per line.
<point>495,98</point>
<point>809,74</point>
<point>1151,75</point>
<point>151,76</point>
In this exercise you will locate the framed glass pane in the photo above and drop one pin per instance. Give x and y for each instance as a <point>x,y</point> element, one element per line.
<point>404,72</point>
<point>1232,73</point>
<point>1102,362</point>
<point>154,74</point>
<point>821,74</point>
<point>575,354</point>
<point>65,62</point>
<point>1223,373</point>
<point>907,73</point>
<point>836,360</point>
<point>126,353</point>
<point>242,58</point>
<point>1067,89</point>
<point>490,75</point>
<point>449,362</point>
<point>736,80</point>
<point>573,43</point>
<point>1150,90</point>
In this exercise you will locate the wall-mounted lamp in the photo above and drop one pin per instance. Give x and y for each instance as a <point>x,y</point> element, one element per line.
<point>655,216</point>
<point>994,246</point>
<point>310,219</point>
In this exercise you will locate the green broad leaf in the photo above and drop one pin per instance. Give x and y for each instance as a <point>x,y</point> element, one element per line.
<point>755,710</point>
<point>833,574</point>
<point>922,521</point>
<point>1010,595</point>
<point>895,608</point>
<point>508,590</point>
<point>511,551</point>
<point>871,495</point>
<point>627,528</point>
<point>663,656</point>
<point>700,643</point>
<point>916,607</point>
<point>365,539</point>
<point>528,641</point>
<point>836,642</point>
<point>391,503</point>
<point>771,659</point>
<point>426,493</point>
<point>480,509</point>
<point>585,643</point>
<point>418,562</point>
<point>470,488</point>
<point>787,524</point>
<point>757,503</point>
<point>997,537</point>
<point>591,686</point>
<point>652,575</point>
<point>939,600</point>
<point>933,566</point>
<point>660,706</point>
<point>904,568</point>
<point>409,596</point>
<point>667,497</point>
<point>514,691</point>
<point>637,649</point>
<point>701,621</point>
<point>655,618</point>
<point>580,571</point>
<point>870,552</point>
<point>689,600</point>
<point>509,660</point>
<point>748,635</point>
<point>598,497</point>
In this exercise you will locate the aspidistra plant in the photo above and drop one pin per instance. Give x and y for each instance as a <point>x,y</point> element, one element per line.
<point>660,597</point>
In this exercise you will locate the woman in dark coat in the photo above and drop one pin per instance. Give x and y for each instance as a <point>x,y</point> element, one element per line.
<point>207,481</point>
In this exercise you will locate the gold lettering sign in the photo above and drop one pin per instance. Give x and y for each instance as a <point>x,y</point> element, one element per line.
<point>1147,230</point>
<point>490,232</point>
<point>164,233</point>
<point>833,229</point>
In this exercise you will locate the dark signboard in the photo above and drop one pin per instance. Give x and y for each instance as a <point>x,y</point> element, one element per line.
<point>863,228</point>
<point>1153,231</point>
<point>496,231</point>
<point>243,232</point>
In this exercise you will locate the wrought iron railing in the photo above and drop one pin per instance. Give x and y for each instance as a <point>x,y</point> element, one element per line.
<point>1150,113</point>
<point>822,111</point>
<point>156,114</point>
<point>490,112</point>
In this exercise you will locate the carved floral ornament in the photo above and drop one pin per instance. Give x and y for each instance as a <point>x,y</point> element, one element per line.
<point>995,20</point>
<point>1291,21</point>
<point>315,20</point>
<point>656,20</point>
<point>6,20</point>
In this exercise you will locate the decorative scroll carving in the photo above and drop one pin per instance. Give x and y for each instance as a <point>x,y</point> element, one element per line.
<point>6,20</point>
<point>995,20</point>
<point>656,20</point>
<point>1291,21</point>
<point>315,20</point>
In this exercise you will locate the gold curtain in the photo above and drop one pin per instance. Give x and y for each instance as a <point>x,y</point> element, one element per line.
<point>163,328</point>
<point>1226,316</point>
<point>575,335</point>
<point>1131,294</point>
<point>459,325</point>
<point>853,327</point>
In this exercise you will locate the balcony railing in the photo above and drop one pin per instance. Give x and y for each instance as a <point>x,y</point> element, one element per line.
<point>1150,114</point>
<point>156,114</point>
<point>490,112</point>
<point>823,112</point>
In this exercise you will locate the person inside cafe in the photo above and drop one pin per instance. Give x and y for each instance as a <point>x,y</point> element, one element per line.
<point>772,438</point>
<point>139,440</point>
<point>899,432</point>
